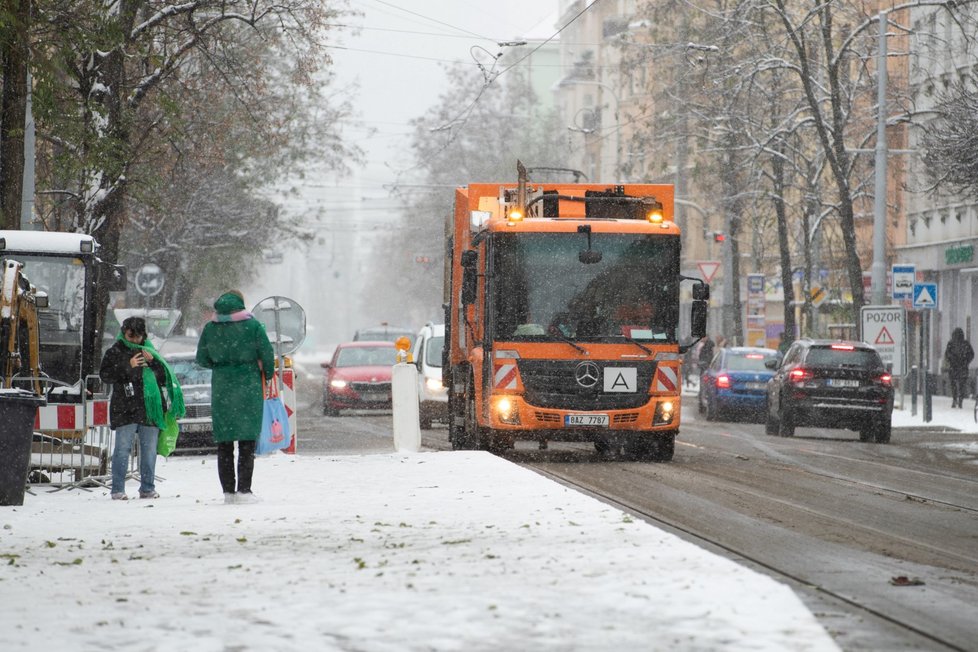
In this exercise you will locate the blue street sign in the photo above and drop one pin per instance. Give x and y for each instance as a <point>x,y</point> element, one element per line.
<point>904,277</point>
<point>925,296</point>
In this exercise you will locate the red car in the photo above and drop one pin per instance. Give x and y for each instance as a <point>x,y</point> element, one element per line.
<point>358,377</point>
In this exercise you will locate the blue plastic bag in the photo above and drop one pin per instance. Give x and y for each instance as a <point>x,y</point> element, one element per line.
<point>275,431</point>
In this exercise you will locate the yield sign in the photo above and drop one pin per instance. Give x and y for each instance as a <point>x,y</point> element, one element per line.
<point>884,337</point>
<point>708,268</point>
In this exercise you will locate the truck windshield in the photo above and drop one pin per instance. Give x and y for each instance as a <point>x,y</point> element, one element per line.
<point>540,289</point>
<point>61,323</point>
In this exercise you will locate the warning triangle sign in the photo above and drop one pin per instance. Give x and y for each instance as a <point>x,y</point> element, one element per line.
<point>884,337</point>
<point>708,268</point>
<point>924,298</point>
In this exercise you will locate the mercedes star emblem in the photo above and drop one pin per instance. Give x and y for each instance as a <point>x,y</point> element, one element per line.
<point>586,374</point>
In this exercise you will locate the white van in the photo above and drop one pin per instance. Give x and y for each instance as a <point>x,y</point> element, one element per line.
<point>432,395</point>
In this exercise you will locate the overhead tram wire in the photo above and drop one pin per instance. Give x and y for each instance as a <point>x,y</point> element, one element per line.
<point>434,20</point>
<point>491,76</point>
<point>550,38</point>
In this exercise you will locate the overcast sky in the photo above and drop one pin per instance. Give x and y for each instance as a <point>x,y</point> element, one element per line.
<point>393,70</point>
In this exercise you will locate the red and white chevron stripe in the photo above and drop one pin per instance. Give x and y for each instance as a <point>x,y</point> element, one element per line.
<point>288,398</point>
<point>69,417</point>
<point>505,376</point>
<point>666,379</point>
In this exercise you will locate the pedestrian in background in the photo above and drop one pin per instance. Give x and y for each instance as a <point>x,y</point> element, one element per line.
<point>958,355</point>
<point>144,389</point>
<point>235,346</point>
<point>706,354</point>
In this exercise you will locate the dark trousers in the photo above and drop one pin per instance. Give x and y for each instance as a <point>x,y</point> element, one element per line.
<point>225,465</point>
<point>959,386</point>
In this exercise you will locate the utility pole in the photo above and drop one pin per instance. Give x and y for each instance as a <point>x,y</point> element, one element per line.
<point>878,270</point>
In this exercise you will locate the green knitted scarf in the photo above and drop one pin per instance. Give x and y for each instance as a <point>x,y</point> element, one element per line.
<point>152,398</point>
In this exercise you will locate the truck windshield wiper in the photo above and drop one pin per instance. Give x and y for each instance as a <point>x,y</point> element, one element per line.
<point>639,345</point>
<point>556,332</point>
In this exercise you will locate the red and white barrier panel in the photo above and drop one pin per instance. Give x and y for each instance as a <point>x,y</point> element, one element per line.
<point>288,398</point>
<point>69,417</point>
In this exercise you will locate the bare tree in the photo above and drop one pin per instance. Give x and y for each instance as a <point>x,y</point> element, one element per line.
<point>951,142</point>
<point>114,100</point>
<point>474,133</point>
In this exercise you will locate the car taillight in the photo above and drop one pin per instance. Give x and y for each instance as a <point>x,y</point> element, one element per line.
<point>799,375</point>
<point>843,347</point>
<point>886,379</point>
<point>723,382</point>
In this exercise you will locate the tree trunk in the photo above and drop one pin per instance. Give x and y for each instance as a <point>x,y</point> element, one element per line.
<point>777,170</point>
<point>14,54</point>
<point>109,212</point>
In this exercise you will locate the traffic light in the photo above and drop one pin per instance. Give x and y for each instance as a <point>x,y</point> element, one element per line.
<point>718,236</point>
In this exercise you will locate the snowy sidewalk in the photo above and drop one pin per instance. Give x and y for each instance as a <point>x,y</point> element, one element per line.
<point>433,551</point>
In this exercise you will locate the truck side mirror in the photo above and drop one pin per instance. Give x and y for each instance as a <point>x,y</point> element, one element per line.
<point>698,318</point>
<point>470,277</point>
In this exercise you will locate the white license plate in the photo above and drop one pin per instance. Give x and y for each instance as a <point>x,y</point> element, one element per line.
<point>374,397</point>
<point>593,420</point>
<point>195,427</point>
<point>842,382</point>
<point>755,385</point>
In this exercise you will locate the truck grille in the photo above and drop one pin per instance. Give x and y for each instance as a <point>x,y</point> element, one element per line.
<point>551,384</point>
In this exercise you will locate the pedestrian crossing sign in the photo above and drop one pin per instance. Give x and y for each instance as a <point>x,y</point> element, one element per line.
<point>925,296</point>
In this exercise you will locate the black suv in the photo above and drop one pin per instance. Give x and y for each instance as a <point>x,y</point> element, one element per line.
<point>830,384</point>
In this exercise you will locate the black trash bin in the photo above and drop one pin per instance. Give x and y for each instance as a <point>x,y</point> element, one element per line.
<point>17,410</point>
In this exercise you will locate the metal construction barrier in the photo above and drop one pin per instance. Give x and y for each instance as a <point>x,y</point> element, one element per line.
<point>72,442</point>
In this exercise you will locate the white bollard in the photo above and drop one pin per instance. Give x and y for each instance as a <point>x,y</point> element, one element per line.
<point>404,403</point>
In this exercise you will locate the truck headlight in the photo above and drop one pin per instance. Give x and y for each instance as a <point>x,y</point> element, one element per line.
<point>433,384</point>
<point>507,411</point>
<point>664,413</point>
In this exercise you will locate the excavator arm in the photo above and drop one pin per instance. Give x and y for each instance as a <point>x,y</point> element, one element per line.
<point>19,328</point>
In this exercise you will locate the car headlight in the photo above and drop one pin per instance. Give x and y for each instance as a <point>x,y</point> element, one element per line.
<point>338,384</point>
<point>434,384</point>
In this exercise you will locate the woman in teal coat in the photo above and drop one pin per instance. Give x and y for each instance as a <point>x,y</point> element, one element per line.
<point>234,345</point>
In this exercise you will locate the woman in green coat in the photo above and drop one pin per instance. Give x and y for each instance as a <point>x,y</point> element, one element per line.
<point>234,345</point>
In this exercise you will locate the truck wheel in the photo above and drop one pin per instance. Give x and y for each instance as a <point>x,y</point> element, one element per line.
<point>638,447</point>
<point>424,420</point>
<point>603,447</point>
<point>467,437</point>
<point>664,448</point>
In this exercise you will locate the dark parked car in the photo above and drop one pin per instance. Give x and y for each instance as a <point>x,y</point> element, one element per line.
<point>358,376</point>
<point>736,382</point>
<point>831,384</point>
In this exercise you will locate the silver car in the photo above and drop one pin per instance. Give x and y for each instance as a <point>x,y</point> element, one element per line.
<point>196,428</point>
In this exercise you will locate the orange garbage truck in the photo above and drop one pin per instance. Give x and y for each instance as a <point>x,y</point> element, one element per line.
<point>562,313</point>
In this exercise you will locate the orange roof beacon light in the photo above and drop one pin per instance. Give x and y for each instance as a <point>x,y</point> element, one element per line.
<point>403,345</point>
<point>655,214</point>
